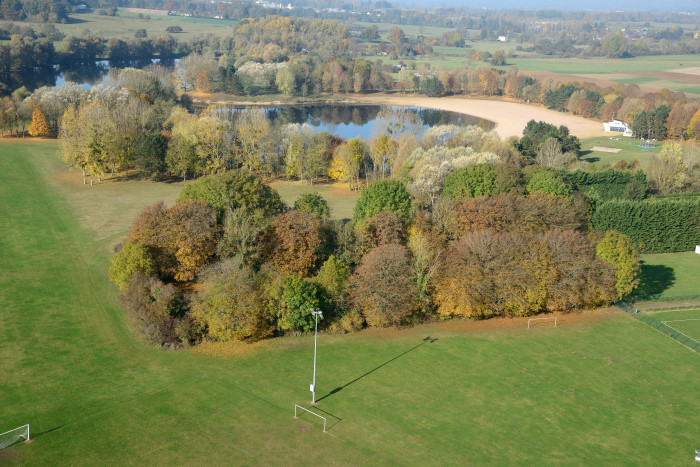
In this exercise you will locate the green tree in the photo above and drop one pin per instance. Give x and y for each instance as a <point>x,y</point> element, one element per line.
<point>471,181</point>
<point>313,203</point>
<point>615,46</point>
<point>149,154</point>
<point>235,189</point>
<point>384,195</point>
<point>332,277</point>
<point>549,182</point>
<point>498,58</point>
<point>617,249</point>
<point>133,258</point>
<point>299,297</point>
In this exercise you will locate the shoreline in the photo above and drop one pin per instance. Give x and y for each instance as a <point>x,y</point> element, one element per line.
<point>509,117</point>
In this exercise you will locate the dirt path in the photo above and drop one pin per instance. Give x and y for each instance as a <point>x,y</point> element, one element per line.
<point>510,117</point>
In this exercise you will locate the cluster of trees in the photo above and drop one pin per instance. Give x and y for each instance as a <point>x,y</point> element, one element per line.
<point>230,261</point>
<point>491,237</point>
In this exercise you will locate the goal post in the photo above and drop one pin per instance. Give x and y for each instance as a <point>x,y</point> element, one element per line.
<point>529,321</point>
<point>11,437</point>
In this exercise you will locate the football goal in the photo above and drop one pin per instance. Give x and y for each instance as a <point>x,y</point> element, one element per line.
<point>312,413</point>
<point>531,321</point>
<point>11,437</point>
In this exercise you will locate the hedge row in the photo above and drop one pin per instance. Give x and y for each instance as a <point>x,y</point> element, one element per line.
<point>610,184</point>
<point>659,226</point>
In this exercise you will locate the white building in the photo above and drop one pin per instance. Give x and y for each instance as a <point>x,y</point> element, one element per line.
<point>503,38</point>
<point>618,126</point>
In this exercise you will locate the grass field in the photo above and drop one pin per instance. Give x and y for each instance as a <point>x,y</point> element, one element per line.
<point>607,390</point>
<point>126,24</point>
<point>341,201</point>
<point>629,150</point>
<point>607,65</point>
<point>686,321</point>
<point>670,275</point>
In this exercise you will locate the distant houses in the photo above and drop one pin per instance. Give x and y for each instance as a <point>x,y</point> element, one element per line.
<point>618,126</point>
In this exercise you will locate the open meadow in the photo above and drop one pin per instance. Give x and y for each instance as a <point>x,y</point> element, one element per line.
<point>125,25</point>
<point>601,388</point>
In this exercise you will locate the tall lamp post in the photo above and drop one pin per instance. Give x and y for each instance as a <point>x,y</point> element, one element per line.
<point>317,314</point>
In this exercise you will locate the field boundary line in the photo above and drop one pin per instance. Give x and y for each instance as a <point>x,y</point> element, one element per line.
<point>663,328</point>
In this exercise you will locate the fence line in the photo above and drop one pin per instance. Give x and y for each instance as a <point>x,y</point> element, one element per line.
<point>664,297</point>
<point>658,309</point>
<point>663,328</point>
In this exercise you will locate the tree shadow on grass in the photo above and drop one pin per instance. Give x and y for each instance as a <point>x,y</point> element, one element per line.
<point>338,389</point>
<point>654,280</point>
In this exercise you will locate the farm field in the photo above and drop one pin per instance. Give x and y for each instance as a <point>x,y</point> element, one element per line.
<point>589,391</point>
<point>669,275</point>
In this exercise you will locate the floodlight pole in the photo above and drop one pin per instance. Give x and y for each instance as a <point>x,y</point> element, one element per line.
<point>317,314</point>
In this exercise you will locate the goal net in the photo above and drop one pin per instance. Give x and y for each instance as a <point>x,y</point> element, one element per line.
<point>533,321</point>
<point>11,437</point>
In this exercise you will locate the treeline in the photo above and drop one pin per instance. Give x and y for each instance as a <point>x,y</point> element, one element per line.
<point>658,226</point>
<point>27,52</point>
<point>36,11</point>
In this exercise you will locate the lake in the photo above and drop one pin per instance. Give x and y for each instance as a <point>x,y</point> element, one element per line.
<point>350,121</point>
<point>86,74</point>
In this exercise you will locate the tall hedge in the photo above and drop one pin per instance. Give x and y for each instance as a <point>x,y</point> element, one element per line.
<point>660,226</point>
<point>610,184</point>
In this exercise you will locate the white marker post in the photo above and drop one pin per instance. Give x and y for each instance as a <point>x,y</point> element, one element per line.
<point>312,388</point>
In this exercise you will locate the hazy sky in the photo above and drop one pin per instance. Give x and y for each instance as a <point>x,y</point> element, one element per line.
<point>613,5</point>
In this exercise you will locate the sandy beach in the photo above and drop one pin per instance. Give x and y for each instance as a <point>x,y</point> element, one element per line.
<point>510,117</point>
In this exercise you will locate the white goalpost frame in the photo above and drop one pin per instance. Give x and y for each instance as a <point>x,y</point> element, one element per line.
<point>21,432</point>
<point>312,413</point>
<point>535,319</point>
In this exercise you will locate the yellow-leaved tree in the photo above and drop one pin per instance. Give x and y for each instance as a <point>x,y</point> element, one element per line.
<point>39,126</point>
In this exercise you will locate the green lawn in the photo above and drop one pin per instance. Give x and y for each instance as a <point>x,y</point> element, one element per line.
<point>605,391</point>
<point>670,275</point>
<point>629,150</point>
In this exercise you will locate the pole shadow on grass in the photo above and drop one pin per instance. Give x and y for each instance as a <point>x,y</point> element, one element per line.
<point>39,435</point>
<point>338,389</point>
